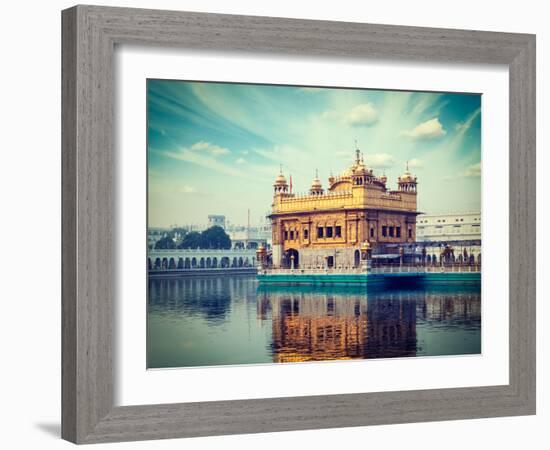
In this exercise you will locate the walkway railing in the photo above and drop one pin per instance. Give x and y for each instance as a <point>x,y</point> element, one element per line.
<point>378,269</point>
<point>313,271</point>
<point>415,268</point>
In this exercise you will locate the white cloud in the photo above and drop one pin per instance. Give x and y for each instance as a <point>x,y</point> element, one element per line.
<point>415,163</point>
<point>348,154</point>
<point>430,129</point>
<point>362,115</point>
<point>380,160</point>
<point>186,189</point>
<point>241,161</point>
<point>472,171</point>
<point>207,147</point>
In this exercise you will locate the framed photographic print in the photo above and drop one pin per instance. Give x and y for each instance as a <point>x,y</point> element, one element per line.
<point>335,219</point>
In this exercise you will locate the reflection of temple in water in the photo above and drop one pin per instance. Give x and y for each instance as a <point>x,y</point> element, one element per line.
<point>216,320</point>
<point>312,326</point>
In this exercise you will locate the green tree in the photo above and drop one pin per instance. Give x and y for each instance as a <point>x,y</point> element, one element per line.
<point>215,237</point>
<point>165,243</point>
<point>191,240</point>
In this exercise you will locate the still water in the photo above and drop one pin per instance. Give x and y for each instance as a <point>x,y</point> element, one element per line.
<point>218,320</point>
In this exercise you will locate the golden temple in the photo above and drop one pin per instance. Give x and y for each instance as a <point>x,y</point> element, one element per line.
<point>326,228</point>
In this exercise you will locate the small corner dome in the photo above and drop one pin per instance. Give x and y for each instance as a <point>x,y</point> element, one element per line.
<point>316,183</point>
<point>407,176</point>
<point>280,179</point>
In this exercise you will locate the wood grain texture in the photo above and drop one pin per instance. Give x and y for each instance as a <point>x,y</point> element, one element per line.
<point>89,36</point>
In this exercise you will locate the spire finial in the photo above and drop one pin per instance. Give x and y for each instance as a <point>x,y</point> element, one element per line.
<point>280,168</point>
<point>407,166</point>
<point>316,173</point>
<point>357,153</point>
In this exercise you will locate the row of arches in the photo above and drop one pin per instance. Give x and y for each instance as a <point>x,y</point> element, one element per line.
<point>198,263</point>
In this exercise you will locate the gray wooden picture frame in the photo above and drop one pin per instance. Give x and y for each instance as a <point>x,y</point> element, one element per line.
<point>90,34</point>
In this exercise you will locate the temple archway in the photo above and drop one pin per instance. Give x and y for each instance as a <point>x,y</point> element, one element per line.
<point>288,258</point>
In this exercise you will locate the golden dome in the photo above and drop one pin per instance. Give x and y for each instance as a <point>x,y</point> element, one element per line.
<point>360,169</point>
<point>348,172</point>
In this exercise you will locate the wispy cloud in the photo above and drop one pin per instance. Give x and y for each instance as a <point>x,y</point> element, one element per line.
<point>427,104</point>
<point>415,163</point>
<point>187,189</point>
<point>462,127</point>
<point>207,147</point>
<point>363,115</point>
<point>311,90</point>
<point>201,159</point>
<point>431,129</point>
<point>380,160</point>
<point>472,171</point>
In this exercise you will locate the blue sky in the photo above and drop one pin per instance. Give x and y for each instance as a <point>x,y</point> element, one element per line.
<point>216,148</point>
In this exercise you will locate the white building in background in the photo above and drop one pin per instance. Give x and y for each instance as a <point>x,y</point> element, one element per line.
<point>216,220</point>
<point>461,231</point>
<point>448,227</point>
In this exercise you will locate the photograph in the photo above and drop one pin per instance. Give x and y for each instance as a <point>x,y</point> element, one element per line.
<point>295,223</point>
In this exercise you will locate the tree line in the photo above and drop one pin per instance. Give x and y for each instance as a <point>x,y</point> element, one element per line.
<point>212,238</point>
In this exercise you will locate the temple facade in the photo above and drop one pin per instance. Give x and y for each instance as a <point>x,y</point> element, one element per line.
<point>326,228</point>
